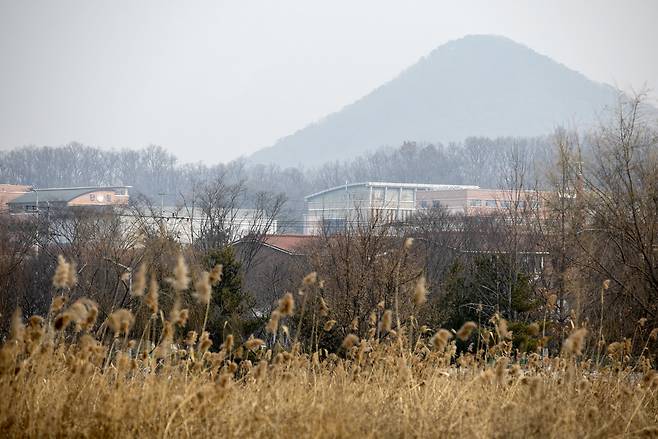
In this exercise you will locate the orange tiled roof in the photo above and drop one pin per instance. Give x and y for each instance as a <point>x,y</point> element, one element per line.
<point>289,243</point>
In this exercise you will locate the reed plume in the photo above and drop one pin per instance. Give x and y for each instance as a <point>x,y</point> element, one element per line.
<point>65,276</point>
<point>420,291</point>
<point>120,321</point>
<point>139,281</point>
<point>286,305</point>
<point>440,339</point>
<point>466,330</point>
<point>203,288</point>
<point>310,279</point>
<point>387,320</point>
<point>151,298</point>
<point>216,274</point>
<point>573,345</point>
<point>254,343</point>
<point>349,341</point>
<point>181,280</point>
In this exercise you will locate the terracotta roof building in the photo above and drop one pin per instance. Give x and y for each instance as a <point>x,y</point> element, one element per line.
<point>273,265</point>
<point>291,244</point>
<point>9,192</point>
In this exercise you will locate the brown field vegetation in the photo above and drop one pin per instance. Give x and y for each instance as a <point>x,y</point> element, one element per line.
<point>67,374</point>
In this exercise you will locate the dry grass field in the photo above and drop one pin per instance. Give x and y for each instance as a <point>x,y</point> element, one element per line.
<point>64,375</point>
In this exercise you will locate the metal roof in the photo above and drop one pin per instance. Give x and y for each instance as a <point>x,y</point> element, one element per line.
<point>59,195</point>
<point>421,186</point>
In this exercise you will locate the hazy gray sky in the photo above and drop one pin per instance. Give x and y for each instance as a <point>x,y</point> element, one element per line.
<point>215,80</point>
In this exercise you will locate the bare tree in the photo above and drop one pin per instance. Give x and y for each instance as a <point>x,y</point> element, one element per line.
<point>619,236</point>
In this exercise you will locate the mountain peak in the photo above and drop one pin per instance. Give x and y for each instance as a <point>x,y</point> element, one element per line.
<point>481,39</point>
<point>478,85</point>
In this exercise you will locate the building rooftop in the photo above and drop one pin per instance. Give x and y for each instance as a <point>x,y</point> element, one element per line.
<point>59,195</point>
<point>9,192</point>
<point>288,243</point>
<point>420,186</point>
<point>14,188</point>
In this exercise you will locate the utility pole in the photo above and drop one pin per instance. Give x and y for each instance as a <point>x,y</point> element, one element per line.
<point>162,194</point>
<point>36,192</point>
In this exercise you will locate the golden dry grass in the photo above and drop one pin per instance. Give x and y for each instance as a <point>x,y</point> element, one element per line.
<point>60,377</point>
<point>72,390</point>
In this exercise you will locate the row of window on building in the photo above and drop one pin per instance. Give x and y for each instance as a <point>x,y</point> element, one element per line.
<point>494,204</point>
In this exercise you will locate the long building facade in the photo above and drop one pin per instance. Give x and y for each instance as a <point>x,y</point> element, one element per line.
<point>476,201</point>
<point>356,203</point>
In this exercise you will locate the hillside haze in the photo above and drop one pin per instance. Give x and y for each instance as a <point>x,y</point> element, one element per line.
<point>474,86</point>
